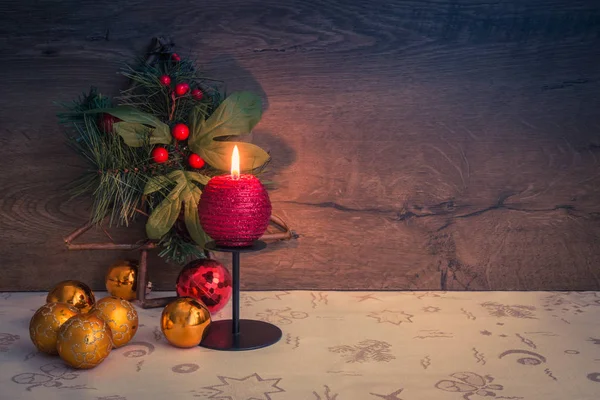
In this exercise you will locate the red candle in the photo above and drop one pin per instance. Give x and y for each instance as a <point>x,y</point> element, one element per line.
<point>234,209</point>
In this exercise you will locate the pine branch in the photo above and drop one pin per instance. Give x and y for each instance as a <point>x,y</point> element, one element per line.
<point>179,249</point>
<point>117,173</point>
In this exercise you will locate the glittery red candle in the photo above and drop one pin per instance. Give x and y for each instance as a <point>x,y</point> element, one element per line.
<point>234,209</point>
<point>234,212</point>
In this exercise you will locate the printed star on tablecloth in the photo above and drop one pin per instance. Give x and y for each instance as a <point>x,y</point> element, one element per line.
<point>392,317</point>
<point>391,396</point>
<point>365,297</point>
<point>251,387</point>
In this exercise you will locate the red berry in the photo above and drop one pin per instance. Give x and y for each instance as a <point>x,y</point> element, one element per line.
<point>180,132</point>
<point>106,122</point>
<point>181,89</point>
<point>197,94</point>
<point>165,80</point>
<point>160,155</point>
<point>195,161</point>
<point>175,57</point>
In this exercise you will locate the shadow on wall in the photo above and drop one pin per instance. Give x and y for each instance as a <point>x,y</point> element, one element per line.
<point>237,78</point>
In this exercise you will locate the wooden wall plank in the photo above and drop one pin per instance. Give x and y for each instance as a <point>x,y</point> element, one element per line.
<point>417,144</point>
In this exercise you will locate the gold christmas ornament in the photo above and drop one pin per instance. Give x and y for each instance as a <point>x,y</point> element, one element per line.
<point>120,316</point>
<point>75,293</point>
<point>84,341</point>
<point>184,322</point>
<point>121,279</point>
<point>46,322</point>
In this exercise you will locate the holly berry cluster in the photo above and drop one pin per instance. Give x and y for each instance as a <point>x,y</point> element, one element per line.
<point>179,131</point>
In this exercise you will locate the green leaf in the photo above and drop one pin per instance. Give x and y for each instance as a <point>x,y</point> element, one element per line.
<point>192,221</point>
<point>218,155</point>
<point>132,114</point>
<point>186,192</point>
<point>238,114</point>
<point>199,178</point>
<point>136,124</point>
<point>135,134</point>
<point>157,183</point>
<point>164,216</point>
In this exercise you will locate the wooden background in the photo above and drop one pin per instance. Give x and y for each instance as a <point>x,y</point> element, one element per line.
<point>418,144</point>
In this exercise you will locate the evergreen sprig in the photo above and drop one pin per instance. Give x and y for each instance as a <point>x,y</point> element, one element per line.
<point>117,173</point>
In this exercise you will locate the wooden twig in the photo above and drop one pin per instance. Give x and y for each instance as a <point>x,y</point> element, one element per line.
<point>157,302</point>
<point>108,234</point>
<point>275,220</point>
<point>287,233</point>
<point>110,246</point>
<point>277,236</point>
<point>142,212</point>
<point>141,278</point>
<point>78,232</point>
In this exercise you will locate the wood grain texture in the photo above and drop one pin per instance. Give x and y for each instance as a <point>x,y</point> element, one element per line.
<point>417,144</point>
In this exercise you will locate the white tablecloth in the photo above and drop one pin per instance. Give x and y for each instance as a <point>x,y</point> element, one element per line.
<point>339,346</point>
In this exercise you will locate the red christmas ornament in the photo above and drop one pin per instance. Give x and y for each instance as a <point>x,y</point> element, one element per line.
<point>106,122</point>
<point>165,80</point>
<point>181,89</point>
<point>180,132</point>
<point>234,212</point>
<point>160,155</point>
<point>175,57</point>
<point>195,161</point>
<point>205,280</point>
<point>197,94</point>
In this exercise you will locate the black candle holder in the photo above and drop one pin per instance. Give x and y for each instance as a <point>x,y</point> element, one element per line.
<point>237,334</point>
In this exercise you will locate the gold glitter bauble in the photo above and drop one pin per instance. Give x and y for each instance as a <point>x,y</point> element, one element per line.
<point>120,315</point>
<point>75,293</point>
<point>46,322</point>
<point>121,279</point>
<point>184,322</point>
<point>84,341</point>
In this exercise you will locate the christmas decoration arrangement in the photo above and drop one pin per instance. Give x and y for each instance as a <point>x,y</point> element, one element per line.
<point>162,151</point>
<point>81,330</point>
<point>153,149</point>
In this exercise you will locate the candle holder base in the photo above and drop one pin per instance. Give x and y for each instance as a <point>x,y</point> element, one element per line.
<point>253,335</point>
<point>239,334</point>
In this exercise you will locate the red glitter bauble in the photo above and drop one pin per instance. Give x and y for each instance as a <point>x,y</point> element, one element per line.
<point>197,94</point>
<point>175,57</point>
<point>160,155</point>
<point>165,80</point>
<point>207,281</point>
<point>234,212</point>
<point>180,131</point>
<point>182,88</point>
<point>195,161</point>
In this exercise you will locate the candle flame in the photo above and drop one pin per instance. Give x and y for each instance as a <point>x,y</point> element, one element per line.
<point>235,163</point>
